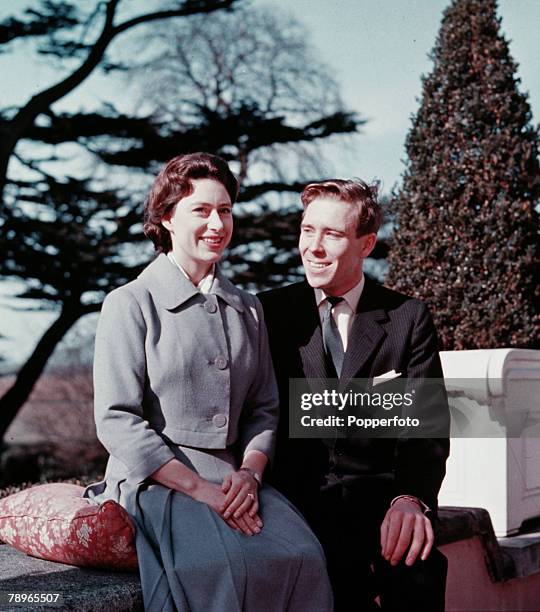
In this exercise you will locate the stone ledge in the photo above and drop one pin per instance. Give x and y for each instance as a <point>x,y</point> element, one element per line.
<point>506,558</point>
<point>524,552</point>
<point>90,590</point>
<point>84,590</point>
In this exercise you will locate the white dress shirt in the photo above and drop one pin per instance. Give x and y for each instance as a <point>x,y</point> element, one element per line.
<point>343,312</point>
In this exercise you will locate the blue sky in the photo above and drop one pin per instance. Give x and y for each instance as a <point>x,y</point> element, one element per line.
<point>377,50</point>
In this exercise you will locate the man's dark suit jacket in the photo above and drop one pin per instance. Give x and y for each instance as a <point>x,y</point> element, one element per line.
<point>389,332</point>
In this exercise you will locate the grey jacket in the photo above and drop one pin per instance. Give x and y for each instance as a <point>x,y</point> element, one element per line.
<point>174,366</point>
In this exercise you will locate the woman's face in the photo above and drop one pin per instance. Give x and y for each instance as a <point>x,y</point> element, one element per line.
<point>200,226</point>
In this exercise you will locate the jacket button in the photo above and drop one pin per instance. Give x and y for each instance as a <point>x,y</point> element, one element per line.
<point>219,420</point>
<point>221,362</point>
<point>210,307</point>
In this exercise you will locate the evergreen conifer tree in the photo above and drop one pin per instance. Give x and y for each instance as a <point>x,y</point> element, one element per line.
<point>466,233</point>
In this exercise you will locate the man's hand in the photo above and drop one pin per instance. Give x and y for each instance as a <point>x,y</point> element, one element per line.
<point>406,527</point>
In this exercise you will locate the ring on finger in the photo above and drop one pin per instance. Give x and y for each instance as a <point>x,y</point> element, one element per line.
<point>251,496</point>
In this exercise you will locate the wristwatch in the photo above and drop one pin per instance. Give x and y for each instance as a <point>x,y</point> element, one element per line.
<point>253,473</point>
<point>424,507</point>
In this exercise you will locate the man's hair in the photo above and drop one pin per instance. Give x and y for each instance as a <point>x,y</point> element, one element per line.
<point>353,191</point>
<point>174,182</point>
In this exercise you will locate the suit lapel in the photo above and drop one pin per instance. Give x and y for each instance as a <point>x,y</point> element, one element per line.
<point>311,346</point>
<point>365,336</point>
<point>366,332</point>
<point>312,355</point>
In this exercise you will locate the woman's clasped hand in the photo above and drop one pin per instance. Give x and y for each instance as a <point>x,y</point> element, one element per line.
<point>241,498</point>
<point>235,500</point>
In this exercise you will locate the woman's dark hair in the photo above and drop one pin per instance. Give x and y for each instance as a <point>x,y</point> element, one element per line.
<point>174,182</point>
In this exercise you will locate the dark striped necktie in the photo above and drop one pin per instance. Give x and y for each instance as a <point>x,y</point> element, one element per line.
<point>333,344</point>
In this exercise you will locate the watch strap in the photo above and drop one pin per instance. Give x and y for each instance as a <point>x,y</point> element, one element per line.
<point>253,473</point>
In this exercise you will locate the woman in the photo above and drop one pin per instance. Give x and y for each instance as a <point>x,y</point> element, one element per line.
<point>186,405</point>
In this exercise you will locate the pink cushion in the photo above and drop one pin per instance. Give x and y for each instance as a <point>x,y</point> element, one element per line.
<point>55,522</point>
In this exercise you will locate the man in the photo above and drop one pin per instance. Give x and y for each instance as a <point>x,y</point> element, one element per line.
<point>370,501</point>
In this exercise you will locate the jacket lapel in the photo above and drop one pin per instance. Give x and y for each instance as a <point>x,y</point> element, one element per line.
<point>365,336</point>
<point>312,355</point>
<point>311,343</point>
<point>224,289</point>
<point>366,332</point>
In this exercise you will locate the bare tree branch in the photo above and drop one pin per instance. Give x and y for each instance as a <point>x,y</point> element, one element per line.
<point>13,130</point>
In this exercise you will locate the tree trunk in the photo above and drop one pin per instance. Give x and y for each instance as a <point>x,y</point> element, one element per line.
<point>15,397</point>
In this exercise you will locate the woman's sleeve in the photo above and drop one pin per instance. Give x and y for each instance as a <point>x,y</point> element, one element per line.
<point>119,382</point>
<point>261,411</point>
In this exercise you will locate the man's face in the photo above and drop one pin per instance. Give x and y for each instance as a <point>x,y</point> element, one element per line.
<point>332,253</point>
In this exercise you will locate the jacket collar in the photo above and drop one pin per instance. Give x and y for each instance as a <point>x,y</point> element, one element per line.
<point>228,292</point>
<point>172,289</point>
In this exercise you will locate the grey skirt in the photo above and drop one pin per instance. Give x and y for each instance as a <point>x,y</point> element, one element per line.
<point>190,560</point>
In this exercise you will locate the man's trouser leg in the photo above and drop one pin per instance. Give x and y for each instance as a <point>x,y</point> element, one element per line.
<point>347,522</point>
